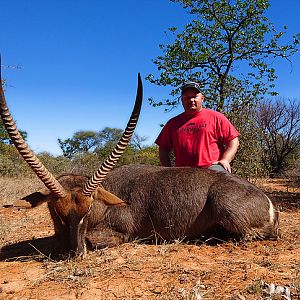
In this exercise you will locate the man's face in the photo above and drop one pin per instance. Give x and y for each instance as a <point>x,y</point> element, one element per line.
<point>192,100</point>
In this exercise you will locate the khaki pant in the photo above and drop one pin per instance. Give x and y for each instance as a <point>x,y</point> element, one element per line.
<point>218,168</point>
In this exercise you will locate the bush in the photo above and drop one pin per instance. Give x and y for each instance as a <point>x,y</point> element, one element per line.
<point>248,160</point>
<point>56,165</point>
<point>11,163</point>
<point>147,156</point>
<point>84,164</point>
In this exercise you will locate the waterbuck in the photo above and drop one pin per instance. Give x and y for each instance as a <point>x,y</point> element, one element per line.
<point>139,201</point>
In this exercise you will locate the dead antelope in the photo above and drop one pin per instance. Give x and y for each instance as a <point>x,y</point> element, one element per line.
<point>139,201</point>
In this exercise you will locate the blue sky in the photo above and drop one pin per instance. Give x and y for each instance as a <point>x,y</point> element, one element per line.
<point>79,62</point>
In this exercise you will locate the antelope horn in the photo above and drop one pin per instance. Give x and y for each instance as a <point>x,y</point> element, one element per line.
<point>113,158</point>
<point>39,169</point>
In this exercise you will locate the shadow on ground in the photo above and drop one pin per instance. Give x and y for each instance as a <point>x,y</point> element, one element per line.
<point>39,248</point>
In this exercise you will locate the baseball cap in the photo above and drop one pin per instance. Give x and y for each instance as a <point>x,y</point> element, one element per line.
<point>190,85</point>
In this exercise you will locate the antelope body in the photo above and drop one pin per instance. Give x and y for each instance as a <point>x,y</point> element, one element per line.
<point>174,203</point>
<point>138,201</point>
<point>161,204</point>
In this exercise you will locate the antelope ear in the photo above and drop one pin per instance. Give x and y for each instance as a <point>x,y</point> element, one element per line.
<point>107,197</point>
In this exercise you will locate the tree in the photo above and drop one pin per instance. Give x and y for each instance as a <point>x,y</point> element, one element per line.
<point>108,137</point>
<point>279,124</point>
<point>248,160</point>
<point>81,141</point>
<point>4,138</point>
<point>137,141</point>
<point>101,143</point>
<point>228,48</point>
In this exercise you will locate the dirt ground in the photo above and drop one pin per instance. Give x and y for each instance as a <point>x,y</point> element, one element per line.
<point>223,270</point>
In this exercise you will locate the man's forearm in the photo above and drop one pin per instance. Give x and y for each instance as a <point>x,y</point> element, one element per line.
<point>231,150</point>
<point>164,157</point>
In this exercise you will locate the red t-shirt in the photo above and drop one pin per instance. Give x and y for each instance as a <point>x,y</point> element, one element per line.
<point>198,140</point>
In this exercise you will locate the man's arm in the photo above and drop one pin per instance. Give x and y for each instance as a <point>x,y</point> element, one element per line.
<point>164,157</point>
<point>229,154</point>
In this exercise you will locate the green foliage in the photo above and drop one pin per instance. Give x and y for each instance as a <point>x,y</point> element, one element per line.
<point>228,48</point>
<point>89,141</point>
<point>56,165</point>
<point>108,135</point>
<point>81,141</point>
<point>247,162</point>
<point>11,163</point>
<point>87,163</point>
<point>84,164</point>
<point>84,152</point>
<point>147,156</point>
<point>4,137</point>
<point>293,170</point>
<point>101,143</point>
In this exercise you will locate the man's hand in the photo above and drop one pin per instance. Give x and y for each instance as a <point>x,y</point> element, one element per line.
<point>228,154</point>
<point>224,163</point>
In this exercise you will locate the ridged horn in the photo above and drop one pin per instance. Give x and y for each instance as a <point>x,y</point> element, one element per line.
<point>114,156</point>
<point>36,165</point>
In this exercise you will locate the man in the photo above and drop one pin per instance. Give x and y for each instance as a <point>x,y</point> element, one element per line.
<point>199,137</point>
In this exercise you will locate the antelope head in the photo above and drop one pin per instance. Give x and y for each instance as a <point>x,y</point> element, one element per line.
<point>70,198</point>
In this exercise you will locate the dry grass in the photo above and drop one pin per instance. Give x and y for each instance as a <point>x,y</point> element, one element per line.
<point>136,271</point>
<point>12,189</point>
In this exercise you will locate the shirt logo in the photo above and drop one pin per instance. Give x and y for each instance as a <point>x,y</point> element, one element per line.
<point>191,128</point>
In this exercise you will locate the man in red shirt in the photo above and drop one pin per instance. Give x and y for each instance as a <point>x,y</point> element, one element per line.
<point>199,137</point>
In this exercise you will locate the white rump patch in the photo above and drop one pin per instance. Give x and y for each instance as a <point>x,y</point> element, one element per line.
<point>271,211</point>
